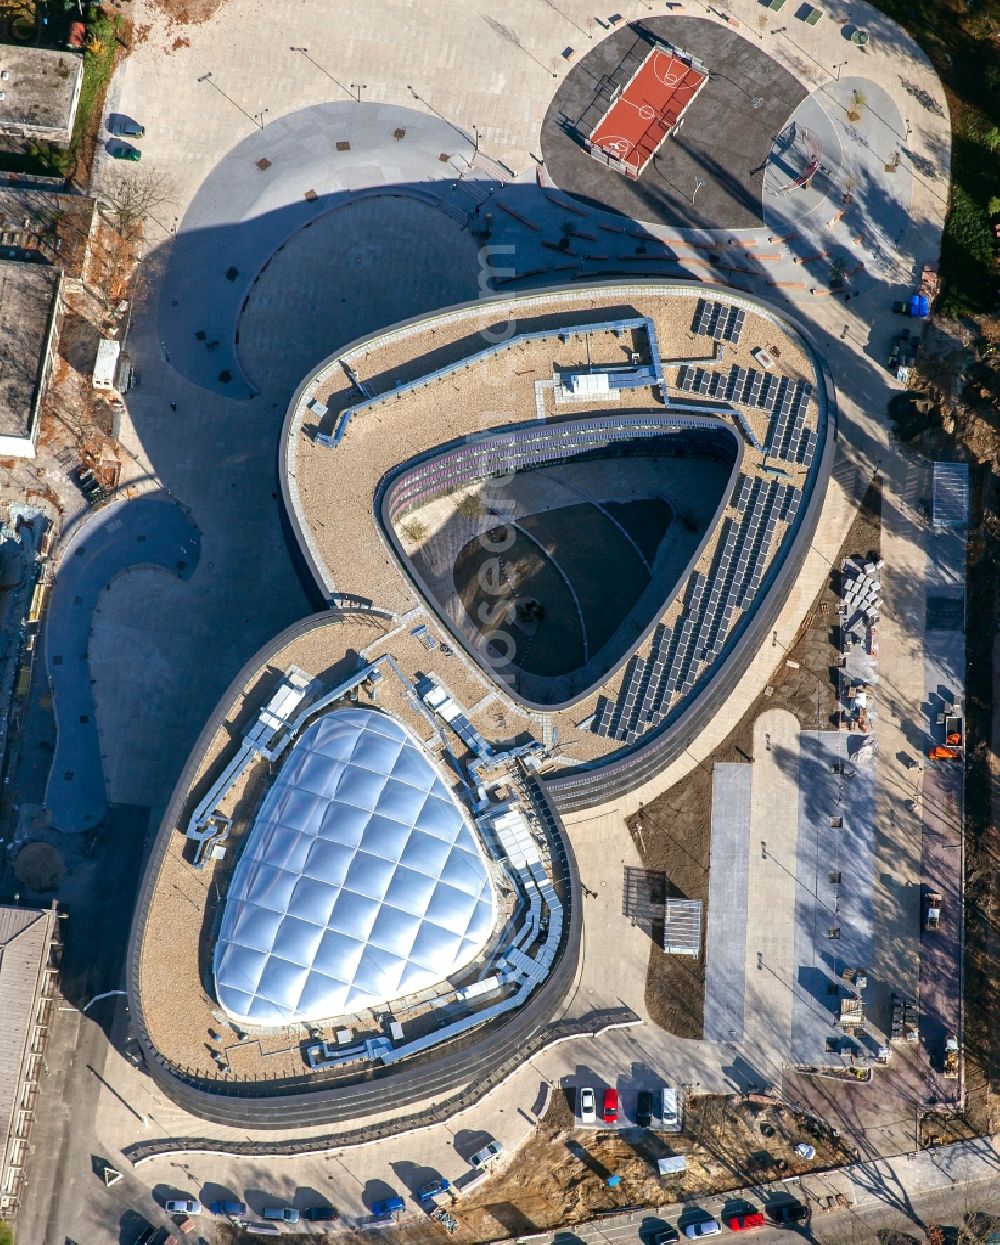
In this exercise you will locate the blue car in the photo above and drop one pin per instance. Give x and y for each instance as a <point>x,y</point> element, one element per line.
<point>388,1206</point>
<point>433,1188</point>
<point>228,1208</point>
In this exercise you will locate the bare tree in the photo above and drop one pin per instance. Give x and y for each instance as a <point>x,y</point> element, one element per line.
<point>129,196</point>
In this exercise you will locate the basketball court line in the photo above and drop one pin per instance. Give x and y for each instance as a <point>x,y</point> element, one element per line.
<point>646,110</point>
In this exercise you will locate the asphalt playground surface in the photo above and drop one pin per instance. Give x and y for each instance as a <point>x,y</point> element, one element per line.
<point>724,143</point>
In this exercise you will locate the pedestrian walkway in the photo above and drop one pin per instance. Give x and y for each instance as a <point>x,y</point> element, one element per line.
<point>728,884</point>
<point>770,941</point>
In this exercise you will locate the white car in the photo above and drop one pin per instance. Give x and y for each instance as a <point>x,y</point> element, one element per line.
<point>703,1227</point>
<point>587,1106</point>
<point>490,1151</point>
<point>183,1206</point>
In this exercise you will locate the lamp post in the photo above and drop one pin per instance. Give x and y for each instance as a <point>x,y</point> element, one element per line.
<point>317,65</point>
<point>837,68</point>
<point>359,87</point>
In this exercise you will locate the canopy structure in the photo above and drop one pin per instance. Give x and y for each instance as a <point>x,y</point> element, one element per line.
<point>362,880</point>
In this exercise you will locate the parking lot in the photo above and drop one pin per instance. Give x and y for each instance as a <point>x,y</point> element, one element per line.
<point>648,1103</point>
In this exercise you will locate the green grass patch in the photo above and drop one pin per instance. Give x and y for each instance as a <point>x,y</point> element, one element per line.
<point>6,1234</point>
<point>98,66</point>
<point>962,39</point>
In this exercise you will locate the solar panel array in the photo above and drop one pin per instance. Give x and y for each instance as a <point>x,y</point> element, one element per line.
<point>712,605</point>
<point>722,321</point>
<point>787,400</point>
<point>789,437</point>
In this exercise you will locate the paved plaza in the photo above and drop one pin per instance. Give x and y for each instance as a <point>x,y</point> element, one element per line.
<point>285,226</point>
<point>149,532</point>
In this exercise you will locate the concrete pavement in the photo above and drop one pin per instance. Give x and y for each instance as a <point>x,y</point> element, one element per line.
<point>770,942</point>
<point>149,531</point>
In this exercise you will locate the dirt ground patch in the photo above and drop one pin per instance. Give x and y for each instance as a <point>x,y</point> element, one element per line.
<point>673,834</point>
<point>188,12</point>
<point>560,1176</point>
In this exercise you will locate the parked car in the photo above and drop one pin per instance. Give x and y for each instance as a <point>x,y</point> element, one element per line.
<point>609,1106</point>
<point>702,1227</point>
<point>644,1109</point>
<point>182,1206</point>
<point>670,1111</point>
<point>228,1208</point>
<point>432,1188</point>
<point>126,152</point>
<point>587,1106</point>
<point>746,1221</point>
<point>388,1206</point>
<point>491,1150</point>
<point>320,1214</point>
<point>282,1214</point>
<point>787,1212</point>
<point>130,128</point>
<point>665,1235</point>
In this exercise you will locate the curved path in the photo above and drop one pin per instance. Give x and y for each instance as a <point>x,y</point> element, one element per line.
<point>149,531</point>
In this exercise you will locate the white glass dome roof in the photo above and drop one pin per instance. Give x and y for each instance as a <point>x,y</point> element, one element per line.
<point>362,880</point>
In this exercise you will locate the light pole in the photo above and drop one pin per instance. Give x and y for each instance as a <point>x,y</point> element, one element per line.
<point>317,65</point>
<point>207,77</point>
<point>359,87</point>
<point>698,183</point>
<point>837,68</point>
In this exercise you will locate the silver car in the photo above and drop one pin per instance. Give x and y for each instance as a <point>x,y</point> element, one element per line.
<point>587,1106</point>
<point>703,1227</point>
<point>182,1206</point>
<point>490,1151</point>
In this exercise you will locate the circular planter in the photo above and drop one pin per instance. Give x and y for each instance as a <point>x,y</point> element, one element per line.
<point>23,28</point>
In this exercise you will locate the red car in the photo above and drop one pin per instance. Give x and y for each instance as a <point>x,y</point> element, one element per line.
<point>743,1223</point>
<point>609,1106</point>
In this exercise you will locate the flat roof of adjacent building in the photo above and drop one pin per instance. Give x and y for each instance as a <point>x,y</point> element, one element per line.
<point>28,299</point>
<point>28,296</point>
<point>25,937</point>
<point>40,91</point>
<point>40,222</point>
